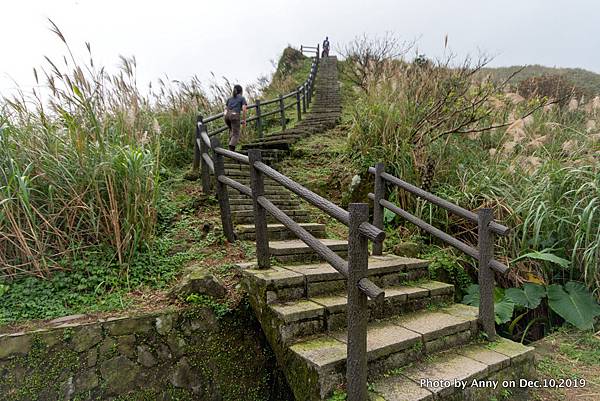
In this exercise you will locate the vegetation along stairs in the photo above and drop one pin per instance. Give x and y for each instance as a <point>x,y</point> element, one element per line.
<point>420,345</point>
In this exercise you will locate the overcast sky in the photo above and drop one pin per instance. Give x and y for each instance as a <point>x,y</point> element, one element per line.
<point>238,39</point>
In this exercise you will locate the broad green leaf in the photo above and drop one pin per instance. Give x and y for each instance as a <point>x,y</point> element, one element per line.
<point>472,295</point>
<point>388,216</point>
<point>3,289</point>
<point>546,256</point>
<point>530,296</point>
<point>576,305</point>
<point>503,311</point>
<point>503,308</point>
<point>498,294</point>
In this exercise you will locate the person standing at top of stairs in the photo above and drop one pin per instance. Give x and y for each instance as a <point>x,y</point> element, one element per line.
<point>235,106</point>
<point>325,52</point>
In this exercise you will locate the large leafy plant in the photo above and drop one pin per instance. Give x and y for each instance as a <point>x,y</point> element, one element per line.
<point>573,302</point>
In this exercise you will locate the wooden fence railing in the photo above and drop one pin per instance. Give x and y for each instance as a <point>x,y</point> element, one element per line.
<point>354,269</point>
<point>484,253</point>
<point>301,99</point>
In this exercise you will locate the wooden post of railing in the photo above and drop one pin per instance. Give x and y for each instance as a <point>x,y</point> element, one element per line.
<point>377,208</point>
<point>486,276</point>
<point>282,112</point>
<point>204,169</point>
<point>258,120</point>
<point>222,194</point>
<point>260,214</point>
<point>197,151</point>
<point>358,255</point>
<point>318,53</point>
<point>309,90</point>
<point>304,97</point>
<point>298,106</point>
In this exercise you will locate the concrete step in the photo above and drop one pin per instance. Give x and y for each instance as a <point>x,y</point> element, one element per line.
<point>323,313</point>
<point>278,232</point>
<point>270,187</point>
<point>250,220</point>
<point>435,378</point>
<point>250,213</point>
<point>282,135</point>
<point>277,144</point>
<point>318,279</point>
<point>273,197</point>
<point>271,192</point>
<point>279,202</point>
<point>391,344</point>
<point>293,251</point>
<point>280,205</point>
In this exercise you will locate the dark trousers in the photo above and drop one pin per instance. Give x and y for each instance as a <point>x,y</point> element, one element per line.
<point>232,119</point>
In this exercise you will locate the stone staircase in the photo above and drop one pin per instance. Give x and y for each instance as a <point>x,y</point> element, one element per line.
<point>323,114</point>
<point>417,336</point>
<point>241,205</point>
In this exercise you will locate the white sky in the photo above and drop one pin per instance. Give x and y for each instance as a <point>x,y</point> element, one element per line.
<point>238,39</point>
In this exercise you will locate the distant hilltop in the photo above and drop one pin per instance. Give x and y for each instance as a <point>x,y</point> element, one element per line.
<point>586,81</point>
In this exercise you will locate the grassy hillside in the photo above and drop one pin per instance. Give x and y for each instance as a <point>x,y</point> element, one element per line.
<point>94,213</point>
<point>587,80</point>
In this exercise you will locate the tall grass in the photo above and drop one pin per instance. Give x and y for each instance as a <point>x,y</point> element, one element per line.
<point>80,161</point>
<point>81,158</point>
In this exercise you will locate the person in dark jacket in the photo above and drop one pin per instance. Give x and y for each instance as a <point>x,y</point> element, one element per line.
<point>235,115</point>
<point>325,51</point>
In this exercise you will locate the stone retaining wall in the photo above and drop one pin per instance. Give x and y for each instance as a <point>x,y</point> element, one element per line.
<point>178,355</point>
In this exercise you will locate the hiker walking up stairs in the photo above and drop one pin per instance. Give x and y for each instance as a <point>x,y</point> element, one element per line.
<point>420,345</point>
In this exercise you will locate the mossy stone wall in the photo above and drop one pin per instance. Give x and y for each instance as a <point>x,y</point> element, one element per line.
<point>178,355</point>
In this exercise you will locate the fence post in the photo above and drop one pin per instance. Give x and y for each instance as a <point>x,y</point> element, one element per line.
<point>222,194</point>
<point>309,89</point>
<point>197,152</point>
<point>318,53</point>
<point>204,169</point>
<point>358,254</point>
<point>298,108</point>
<point>260,214</point>
<point>486,276</point>
<point>377,208</point>
<point>282,112</point>
<point>304,97</point>
<point>258,120</point>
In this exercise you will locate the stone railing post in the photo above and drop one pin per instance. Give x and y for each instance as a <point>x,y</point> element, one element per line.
<point>486,275</point>
<point>204,169</point>
<point>298,105</point>
<point>260,214</point>
<point>258,120</point>
<point>358,254</point>
<point>282,112</point>
<point>222,194</point>
<point>197,151</point>
<point>304,97</point>
<point>378,211</point>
